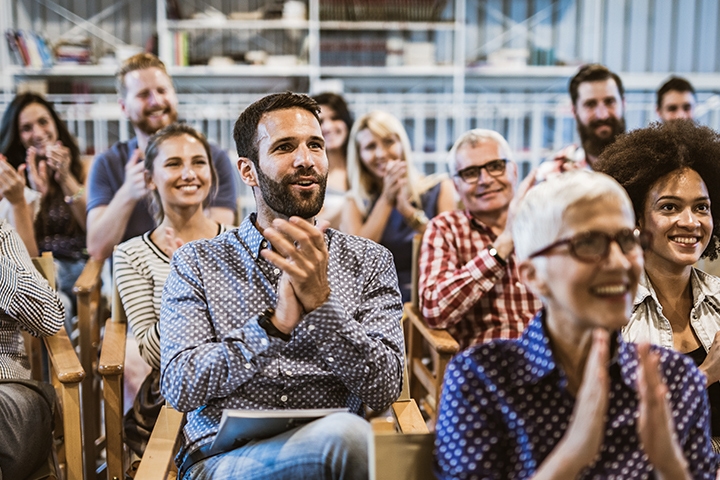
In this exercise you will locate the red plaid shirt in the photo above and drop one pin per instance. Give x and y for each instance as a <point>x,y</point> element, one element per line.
<point>464,289</point>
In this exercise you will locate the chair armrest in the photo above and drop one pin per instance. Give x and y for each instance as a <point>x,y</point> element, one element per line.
<point>89,277</point>
<point>64,360</point>
<point>439,340</point>
<point>112,355</point>
<point>161,447</point>
<point>408,417</point>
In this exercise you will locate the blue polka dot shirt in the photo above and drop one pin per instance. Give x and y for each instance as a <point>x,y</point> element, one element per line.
<point>505,407</point>
<point>214,355</point>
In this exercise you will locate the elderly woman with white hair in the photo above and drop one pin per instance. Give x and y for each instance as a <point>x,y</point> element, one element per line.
<point>389,201</point>
<point>570,398</point>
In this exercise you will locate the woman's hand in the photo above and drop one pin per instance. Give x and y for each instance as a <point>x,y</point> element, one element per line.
<point>655,424</point>
<point>37,171</point>
<point>58,159</point>
<point>584,436</point>
<point>12,182</point>
<point>395,172</point>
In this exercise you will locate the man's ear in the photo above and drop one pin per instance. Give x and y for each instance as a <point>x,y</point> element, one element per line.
<point>247,171</point>
<point>532,278</point>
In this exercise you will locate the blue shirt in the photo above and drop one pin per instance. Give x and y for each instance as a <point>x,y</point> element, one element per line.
<point>505,407</point>
<point>107,175</point>
<point>214,355</point>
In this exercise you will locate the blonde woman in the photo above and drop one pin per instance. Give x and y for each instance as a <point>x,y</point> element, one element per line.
<point>389,201</point>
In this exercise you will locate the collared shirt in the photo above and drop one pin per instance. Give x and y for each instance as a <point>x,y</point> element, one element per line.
<point>572,157</point>
<point>648,324</point>
<point>26,301</point>
<point>505,407</point>
<point>465,289</point>
<point>214,355</point>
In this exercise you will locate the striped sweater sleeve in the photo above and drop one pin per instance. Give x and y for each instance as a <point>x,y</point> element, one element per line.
<point>136,286</point>
<point>24,294</point>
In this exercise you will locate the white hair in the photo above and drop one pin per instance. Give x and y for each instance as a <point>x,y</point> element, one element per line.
<point>473,137</point>
<point>539,217</point>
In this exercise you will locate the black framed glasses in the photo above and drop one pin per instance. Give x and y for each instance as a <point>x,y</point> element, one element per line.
<point>472,174</point>
<point>594,246</point>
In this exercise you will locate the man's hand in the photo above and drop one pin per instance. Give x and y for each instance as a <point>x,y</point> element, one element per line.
<point>711,366</point>
<point>135,176</point>
<point>299,250</point>
<point>655,423</point>
<point>288,311</point>
<point>12,182</point>
<point>504,242</point>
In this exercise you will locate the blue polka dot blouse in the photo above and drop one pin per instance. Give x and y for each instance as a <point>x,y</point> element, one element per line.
<point>505,407</point>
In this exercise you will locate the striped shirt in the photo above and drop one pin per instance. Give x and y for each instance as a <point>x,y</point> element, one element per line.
<point>140,269</point>
<point>26,301</point>
<point>464,289</point>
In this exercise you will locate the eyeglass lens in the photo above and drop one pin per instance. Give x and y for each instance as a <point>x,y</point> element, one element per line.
<point>596,245</point>
<point>472,174</point>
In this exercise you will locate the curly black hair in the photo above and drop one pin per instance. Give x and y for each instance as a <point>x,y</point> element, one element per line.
<point>637,160</point>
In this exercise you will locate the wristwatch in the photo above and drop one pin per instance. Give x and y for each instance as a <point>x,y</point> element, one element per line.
<point>494,253</point>
<point>265,322</point>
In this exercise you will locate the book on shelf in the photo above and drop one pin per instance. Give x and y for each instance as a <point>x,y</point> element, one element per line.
<point>239,426</point>
<point>28,49</point>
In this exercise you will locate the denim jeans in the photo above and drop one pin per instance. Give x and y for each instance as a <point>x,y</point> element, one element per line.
<point>68,272</point>
<point>334,447</point>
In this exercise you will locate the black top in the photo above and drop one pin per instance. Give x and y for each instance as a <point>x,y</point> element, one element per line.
<point>698,356</point>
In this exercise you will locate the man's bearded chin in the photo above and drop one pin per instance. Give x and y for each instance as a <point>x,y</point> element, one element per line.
<point>593,144</point>
<point>279,197</point>
<point>148,128</point>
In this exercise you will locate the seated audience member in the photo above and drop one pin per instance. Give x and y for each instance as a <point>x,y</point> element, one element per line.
<point>39,143</point>
<point>117,207</point>
<point>389,201</point>
<point>281,314</point>
<point>672,174</point>
<point>469,279</point>
<point>598,105</point>
<point>570,398</point>
<point>26,407</point>
<point>336,122</point>
<point>181,177</point>
<point>676,100</point>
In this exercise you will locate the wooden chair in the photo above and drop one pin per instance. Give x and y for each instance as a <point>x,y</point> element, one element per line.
<point>407,435</point>
<point>423,344</point>
<point>111,368</point>
<point>90,313</point>
<point>65,374</point>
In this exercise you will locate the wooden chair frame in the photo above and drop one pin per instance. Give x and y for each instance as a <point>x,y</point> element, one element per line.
<point>89,313</point>
<point>425,379</point>
<point>66,374</point>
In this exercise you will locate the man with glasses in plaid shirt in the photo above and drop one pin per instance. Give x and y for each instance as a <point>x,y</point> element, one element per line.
<point>469,281</point>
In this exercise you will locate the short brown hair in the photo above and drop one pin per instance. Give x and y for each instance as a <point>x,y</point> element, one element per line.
<point>593,72</point>
<point>141,61</point>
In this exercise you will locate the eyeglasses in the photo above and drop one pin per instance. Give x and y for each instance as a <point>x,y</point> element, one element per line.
<point>471,175</point>
<point>594,246</point>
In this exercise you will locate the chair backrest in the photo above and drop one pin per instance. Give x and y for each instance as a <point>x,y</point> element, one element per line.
<point>415,270</point>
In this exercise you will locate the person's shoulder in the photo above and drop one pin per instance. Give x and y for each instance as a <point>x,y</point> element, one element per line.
<point>679,370</point>
<point>451,217</point>
<point>499,361</point>
<point>218,152</point>
<point>118,152</point>
<point>348,244</point>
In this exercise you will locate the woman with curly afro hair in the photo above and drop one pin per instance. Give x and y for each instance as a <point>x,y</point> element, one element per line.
<point>672,173</point>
